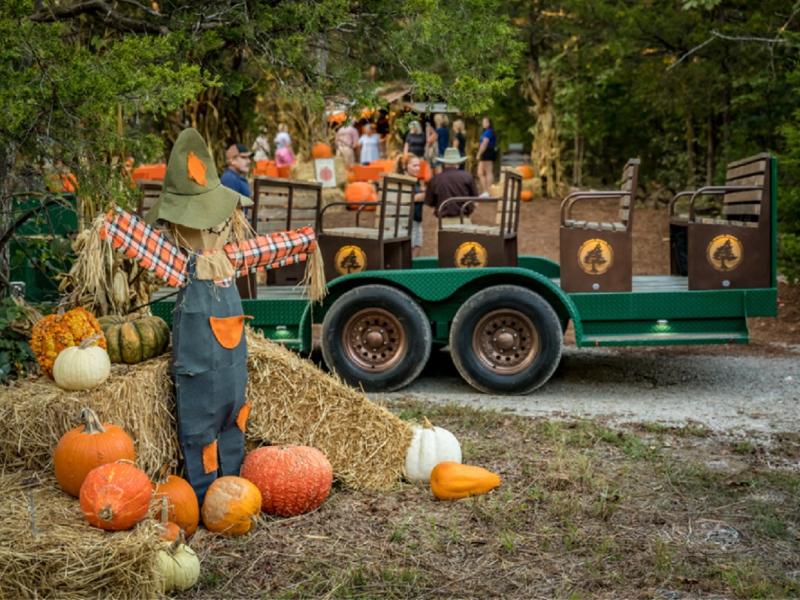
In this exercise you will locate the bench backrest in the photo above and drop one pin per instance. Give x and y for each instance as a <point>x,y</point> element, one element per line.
<point>151,191</point>
<point>396,205</point>
<point>508,206</point>
<point>284,204</point>
<point>750,205</point>
<point>628,183</point>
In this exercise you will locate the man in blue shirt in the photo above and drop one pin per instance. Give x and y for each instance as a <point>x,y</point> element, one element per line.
<point>238,157</point>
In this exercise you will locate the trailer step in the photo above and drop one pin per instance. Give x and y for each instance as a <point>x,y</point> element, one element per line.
<point>665,339</point>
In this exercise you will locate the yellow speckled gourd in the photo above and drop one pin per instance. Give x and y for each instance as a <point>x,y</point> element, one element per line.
<point>55,332</point>
<point>452,480</point>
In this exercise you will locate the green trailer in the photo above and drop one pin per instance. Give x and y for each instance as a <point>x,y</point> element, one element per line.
<point>504,326</point>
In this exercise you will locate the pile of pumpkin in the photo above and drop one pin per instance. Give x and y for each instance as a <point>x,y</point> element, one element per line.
<point>96,463</point>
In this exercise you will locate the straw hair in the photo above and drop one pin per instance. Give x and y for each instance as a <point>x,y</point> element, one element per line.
<point>47,550</point>
<point>293,402</point>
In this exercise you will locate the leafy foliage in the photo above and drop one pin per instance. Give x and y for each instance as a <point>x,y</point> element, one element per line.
<point>16,357</point>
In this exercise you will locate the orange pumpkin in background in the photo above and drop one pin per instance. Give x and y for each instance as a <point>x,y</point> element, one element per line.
<point>292,480</point>
<point>321,150</point>
<point>183,507</point>
<point>115,496</point>
<point>360,191</point>
<point>51,334</point>
<point>231,505</point>
<point>526,195</point>
<point>526,171</point>
<point>86,447</point>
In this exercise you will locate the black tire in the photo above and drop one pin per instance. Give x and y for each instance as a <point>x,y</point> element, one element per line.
<point>506,339</point>
<point>376,337</point>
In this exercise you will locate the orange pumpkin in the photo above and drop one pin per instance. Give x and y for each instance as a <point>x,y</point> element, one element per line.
<point>183,508</point>
<point>292,479</point>
<point>115,496</point>
<point>51,334</point>
<point>321,150</point>
<point>169,531</point>
<point>451,480</point>
<point>526,171</point>
<point>230,506</point>
<point>360,191</point>
<point>526,195</point>
<point>88,446</point>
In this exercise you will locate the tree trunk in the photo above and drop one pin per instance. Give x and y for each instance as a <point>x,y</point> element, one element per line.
<point>711,149</point>
<point>6,216</point>
<point>691,163</point>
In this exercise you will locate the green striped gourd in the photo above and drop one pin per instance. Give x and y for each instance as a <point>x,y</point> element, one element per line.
<point>134,339</point>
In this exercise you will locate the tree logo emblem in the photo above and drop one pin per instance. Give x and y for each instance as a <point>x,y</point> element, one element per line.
<point>595,256</point>
<point>350,259</point>
<point>471,254</point>
<point>725,252</point>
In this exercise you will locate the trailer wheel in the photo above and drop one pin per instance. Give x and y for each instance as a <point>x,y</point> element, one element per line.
<point>376,336</point>
<point>506,339</point>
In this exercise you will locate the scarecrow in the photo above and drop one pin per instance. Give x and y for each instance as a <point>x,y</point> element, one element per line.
<point>209,350</point>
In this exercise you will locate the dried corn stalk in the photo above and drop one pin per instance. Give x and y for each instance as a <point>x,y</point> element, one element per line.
<point>102,280</point>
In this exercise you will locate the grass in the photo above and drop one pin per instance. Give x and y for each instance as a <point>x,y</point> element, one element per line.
<point>584,511</point>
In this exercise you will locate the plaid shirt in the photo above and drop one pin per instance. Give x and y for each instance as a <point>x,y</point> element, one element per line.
<point>138,241</point>
<point>271,251</point>
<point>134,238</point>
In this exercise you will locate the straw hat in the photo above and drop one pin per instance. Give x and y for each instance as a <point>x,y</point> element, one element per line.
<point>193,195</point>
<point>451,157</point>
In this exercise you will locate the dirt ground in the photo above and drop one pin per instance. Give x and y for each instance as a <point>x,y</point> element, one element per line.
<point>539,234</point>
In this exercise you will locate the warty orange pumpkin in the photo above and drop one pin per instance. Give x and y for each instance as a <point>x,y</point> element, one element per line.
<point>292,480</point>
<point>115,496</point>
<point>452,480</point>
<point>182,507</point>
<point>51,334</point>
<point>88,446</point>
<point>230,506</point>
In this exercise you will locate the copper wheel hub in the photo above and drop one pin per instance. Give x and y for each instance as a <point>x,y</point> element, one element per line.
<point>374,340</point>
<point>505,341</point>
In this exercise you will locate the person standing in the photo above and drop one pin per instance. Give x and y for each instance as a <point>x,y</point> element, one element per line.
<point>431,145</point>
<point>460,139</point>
<point>442,134</point>
<point>370,145</point>
<point>238,158</point>
<point>451,183</point>
<point>412,168</point>
<point>261,149</point>
<point>415,140</point>
<point>282,138</point>
<point>487,153</point>
<point>346,142</point>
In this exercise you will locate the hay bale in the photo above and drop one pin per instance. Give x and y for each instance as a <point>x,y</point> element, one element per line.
<point>303,170</point>
<point>293,402</point>
<point>47,550</point>
<point>35,413</point>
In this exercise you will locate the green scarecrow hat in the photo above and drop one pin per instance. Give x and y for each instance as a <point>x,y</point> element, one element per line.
<point>193,195</point>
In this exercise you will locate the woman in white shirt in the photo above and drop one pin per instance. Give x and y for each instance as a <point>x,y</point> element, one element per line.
<point>369,142</point>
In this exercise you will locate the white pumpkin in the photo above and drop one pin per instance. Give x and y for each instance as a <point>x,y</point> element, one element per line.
<point>430,446</point>
<point>178,566</point>
<point>81,367</point>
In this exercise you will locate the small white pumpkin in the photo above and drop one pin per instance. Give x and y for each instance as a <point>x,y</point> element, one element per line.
<point>178,566</point>
<point>430,446</point>
<point>81,367</point>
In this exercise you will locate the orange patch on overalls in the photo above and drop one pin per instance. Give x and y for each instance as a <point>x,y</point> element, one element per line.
<point>196,169</point>
<point>241,418</point>
<point>227,330</point>
<point>210,463</point>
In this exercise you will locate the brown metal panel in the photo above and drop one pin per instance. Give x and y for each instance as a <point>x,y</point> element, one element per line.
<point>595,261</point>
<point>722,257</point>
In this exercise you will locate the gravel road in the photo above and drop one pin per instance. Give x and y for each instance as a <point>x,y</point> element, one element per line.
<point>726,392</point>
